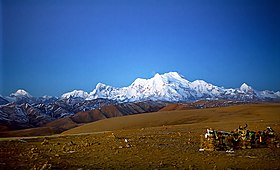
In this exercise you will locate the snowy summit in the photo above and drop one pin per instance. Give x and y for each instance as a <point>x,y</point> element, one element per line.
<point>174,87</point>
<point>20,93</point>
<point>74,94</point>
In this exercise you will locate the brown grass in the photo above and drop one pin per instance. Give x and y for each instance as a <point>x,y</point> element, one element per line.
<point>226,118</point>
<point>29,132</point>
<point>172,107</point>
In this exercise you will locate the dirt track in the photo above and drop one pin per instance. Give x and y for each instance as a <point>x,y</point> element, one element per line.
<point>163,147</point>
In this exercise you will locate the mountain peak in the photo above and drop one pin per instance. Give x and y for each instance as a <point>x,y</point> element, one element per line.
<point>159,79</point>
<point>100,85</point>
<point>173,74</point>
<point>157,75</point>
<point>20,93</point>
<point>244,87</point>
<point>75,93</point>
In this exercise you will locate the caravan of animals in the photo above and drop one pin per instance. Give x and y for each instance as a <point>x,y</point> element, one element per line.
<point>165,122</point>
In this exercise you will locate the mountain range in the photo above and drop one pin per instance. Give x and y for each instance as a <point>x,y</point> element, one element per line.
<point>22,110</point>
<point>173,87</point>
<point>169,87</point>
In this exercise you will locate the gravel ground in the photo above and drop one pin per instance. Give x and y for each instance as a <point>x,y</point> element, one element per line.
<point>165,147</point>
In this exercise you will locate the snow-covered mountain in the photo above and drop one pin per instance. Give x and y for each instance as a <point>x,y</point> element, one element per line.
<point>20,96</point>
<point>174,87</point>
<point>75,93</point>
<point>22,110</point>
<point>171,87</point>
<point>20,93</point>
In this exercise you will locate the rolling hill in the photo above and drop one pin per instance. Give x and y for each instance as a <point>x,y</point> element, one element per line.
<point>228,117</point>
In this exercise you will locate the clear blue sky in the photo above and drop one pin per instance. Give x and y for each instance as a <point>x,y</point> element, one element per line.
<point>54,46</point>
